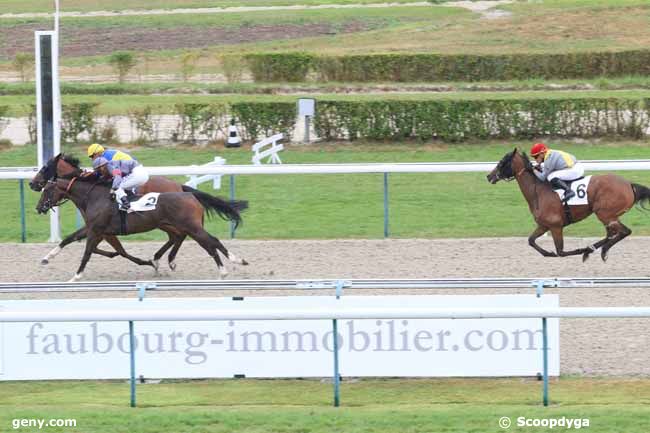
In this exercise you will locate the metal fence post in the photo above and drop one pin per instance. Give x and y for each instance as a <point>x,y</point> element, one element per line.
<point>385,205</point>
<point>539,291</point>
<point>545,351</point>
<point>335,348</point>
<point>132,358</point>
<point>232,197</point>
<point>23,228</point>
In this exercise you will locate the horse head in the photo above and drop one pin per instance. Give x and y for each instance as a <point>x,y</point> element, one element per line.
<point>54,194</point>
<point>503,170</point>
<point>60,165</point>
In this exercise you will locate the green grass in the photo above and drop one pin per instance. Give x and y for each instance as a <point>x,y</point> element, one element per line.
<point>383,16</point>
<point>534,27</point>
<point>19,105</point>
<point>30,6</point>
<point>455,205</point>
<point>571,87</point>
<point>300,406</point>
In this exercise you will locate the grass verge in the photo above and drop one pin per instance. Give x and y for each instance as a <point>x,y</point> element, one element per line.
<point>454,205</point>
<point>369,405</point>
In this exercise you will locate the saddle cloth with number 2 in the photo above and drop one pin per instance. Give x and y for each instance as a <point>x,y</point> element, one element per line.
<point>580,188</point>
<point>145,203</point>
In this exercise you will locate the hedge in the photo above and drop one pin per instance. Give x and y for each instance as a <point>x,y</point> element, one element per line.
<point>395,120</point>
<point>265,118</point>
<point>196,121</point>
<point>276,67</point>
<point>464,120</point>
<point>448,67</point>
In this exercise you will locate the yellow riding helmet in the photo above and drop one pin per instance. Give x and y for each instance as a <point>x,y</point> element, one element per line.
<point>95,148</point>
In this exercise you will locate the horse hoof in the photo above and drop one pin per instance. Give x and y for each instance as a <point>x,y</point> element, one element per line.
<point>604,257</point>
<point>45,262</point>
<point>76,278</point>
<point>172,266</point>
<point>154,264</point>
<point>244,262</point>
<point>585,257</point>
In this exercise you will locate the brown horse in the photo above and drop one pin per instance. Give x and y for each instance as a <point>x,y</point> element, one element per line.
<point>609,197</point>
<point>175,212</point>
<point>66,166</point>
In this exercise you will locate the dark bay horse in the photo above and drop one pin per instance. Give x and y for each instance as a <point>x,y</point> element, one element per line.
<point>176,212</point>
<point>609,197</point>
<point>67,166</point>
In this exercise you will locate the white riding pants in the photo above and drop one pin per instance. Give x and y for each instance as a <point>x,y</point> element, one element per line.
<point>568,173</point>
<point>138,176</point>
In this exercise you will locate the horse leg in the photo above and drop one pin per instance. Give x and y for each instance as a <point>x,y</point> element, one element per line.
<point>533,237</point>
<point>225,252</point>
<point>162,250</point>
<point>174,251</point>
<point>205,240</point>
<point>619,232</point>
<point>593,247</point>
<point>76,236</point>
<point>91,242</point>
<point>115,243</point>
<point>558,239</point>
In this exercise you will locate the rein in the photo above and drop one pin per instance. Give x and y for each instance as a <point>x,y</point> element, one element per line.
<point>67,192</point>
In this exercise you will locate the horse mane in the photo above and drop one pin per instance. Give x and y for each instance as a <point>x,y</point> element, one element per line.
<point>72,160</point>
<point>527,164</point>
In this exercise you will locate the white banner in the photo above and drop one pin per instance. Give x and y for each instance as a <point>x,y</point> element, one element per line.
<point>280,348</point>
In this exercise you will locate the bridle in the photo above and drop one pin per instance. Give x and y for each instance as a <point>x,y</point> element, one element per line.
<point>66,194</point>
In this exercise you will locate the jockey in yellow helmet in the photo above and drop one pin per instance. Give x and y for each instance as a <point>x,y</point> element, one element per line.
<point>96,150</point>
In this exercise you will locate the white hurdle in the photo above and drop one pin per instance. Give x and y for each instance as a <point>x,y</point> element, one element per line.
<point>195,180</point>
<point>272,152</point>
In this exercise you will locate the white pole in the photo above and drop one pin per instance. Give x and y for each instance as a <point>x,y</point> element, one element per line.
<point>55,225</point>
<point>341,312</point>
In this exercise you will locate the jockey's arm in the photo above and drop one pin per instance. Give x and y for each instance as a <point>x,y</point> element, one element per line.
<point>117,178</point>
<point>542,172</point>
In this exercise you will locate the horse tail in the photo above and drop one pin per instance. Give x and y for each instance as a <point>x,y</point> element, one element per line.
<point>228,210</point>
<point>641,195</point>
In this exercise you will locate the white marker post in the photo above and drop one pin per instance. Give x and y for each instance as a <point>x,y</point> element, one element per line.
<point>306,109</point>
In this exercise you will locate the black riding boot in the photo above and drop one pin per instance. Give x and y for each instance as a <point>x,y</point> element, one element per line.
<point>125,203</point>
<point>560,184</point>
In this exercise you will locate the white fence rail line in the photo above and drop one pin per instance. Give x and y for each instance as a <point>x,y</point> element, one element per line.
<point>438,167</point>
<point>342,312</point>
<point>325,284</point>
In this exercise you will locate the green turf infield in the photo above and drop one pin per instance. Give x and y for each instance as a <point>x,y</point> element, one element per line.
<point>300,406</point>
<point>456,205</point>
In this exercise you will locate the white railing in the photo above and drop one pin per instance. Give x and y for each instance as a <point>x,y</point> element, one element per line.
<point>432,167</point>
<point>232,170</point>
<point>330,313</point>
<point>333,313</point>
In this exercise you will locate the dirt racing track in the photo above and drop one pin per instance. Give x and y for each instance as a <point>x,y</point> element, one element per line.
<point>588,346</point>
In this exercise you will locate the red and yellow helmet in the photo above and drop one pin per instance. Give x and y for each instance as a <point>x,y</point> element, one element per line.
<point>538,149</point>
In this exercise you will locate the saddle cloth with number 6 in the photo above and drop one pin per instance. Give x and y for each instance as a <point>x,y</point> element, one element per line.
<point>145,203</point>
<point>578,186</point>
